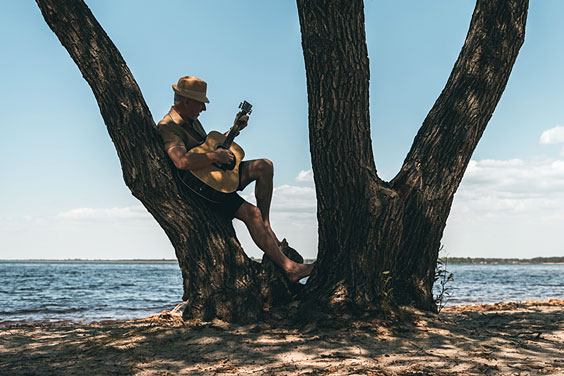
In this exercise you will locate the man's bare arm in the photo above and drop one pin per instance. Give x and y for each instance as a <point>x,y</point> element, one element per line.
<point>194,161</point>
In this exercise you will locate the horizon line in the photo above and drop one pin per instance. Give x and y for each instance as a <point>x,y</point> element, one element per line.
<point>258,259</point>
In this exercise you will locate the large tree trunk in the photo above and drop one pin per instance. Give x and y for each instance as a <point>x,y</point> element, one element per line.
<point>219,279</point>
<point>369,229</point>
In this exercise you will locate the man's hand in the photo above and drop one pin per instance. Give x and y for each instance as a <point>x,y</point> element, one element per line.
<point>243,121</point>
<point>224,156</point>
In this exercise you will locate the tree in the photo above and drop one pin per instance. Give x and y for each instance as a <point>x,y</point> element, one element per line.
<point>367,227</point>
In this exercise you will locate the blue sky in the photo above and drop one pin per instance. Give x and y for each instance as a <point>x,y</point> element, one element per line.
<point>62,194</point>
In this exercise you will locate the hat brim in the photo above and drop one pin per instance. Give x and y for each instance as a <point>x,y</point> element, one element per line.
<point>192,94</point>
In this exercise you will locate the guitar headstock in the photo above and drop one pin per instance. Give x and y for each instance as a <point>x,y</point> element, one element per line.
<point>246,108</point>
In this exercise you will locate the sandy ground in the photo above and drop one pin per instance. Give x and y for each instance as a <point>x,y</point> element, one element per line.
<point>501,339</point>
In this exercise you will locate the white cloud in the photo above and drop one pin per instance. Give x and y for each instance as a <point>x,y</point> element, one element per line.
<point>305,176</point>
<point>513,178</point>
<point>91,232</point>
<point>511,208</point>
<point>87,233</point>
<point>553,135</point>
<point>128,212</point>
<point>291,198</point>
<point>509,189</point>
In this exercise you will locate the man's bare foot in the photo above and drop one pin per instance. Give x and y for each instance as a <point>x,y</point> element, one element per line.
<point>299,271</point>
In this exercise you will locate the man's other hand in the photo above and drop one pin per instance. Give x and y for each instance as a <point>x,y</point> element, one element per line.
<point>243,121</point>
<point>224,156</point>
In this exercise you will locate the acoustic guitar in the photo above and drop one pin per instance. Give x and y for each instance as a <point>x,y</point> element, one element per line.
<point>217,180</point>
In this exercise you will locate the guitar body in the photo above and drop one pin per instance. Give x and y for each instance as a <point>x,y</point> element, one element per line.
<point>225,181</point>
<point>216,181</point>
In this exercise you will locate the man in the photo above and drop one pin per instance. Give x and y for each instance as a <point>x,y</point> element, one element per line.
<point>181,130</point>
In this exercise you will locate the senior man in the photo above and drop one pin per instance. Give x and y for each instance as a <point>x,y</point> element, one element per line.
<point>181,131</point>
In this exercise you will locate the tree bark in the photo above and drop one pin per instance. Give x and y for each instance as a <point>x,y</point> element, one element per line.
<point>370,229</point>
<point>219,279</point>
<point>443,147</point>
<point>375,237</point>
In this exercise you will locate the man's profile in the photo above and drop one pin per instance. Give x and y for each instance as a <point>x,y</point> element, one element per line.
<point>181,131</point>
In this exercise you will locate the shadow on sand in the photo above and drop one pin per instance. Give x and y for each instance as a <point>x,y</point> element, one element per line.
<point>511,339</point>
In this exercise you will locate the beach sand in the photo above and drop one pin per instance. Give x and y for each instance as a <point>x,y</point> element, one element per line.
<point>501,339</point>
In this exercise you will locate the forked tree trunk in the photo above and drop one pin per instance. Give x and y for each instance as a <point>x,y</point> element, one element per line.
<point>219,279</point>
<point>369,229</point>
<point>366,226</point>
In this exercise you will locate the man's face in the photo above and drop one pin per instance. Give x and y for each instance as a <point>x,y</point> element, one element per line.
<point>191,108</point>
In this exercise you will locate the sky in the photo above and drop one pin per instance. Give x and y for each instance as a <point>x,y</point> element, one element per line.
<point>62,195</point>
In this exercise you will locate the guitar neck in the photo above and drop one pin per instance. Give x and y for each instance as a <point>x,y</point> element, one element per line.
<point>233,132</point>
<point>246,109</point>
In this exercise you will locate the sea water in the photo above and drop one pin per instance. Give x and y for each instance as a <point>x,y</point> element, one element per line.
<point>90,291</point>
<point>493,283</point>
<point>87,291</point>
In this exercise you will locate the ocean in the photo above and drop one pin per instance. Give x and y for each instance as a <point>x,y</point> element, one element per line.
<point>493,283</point>
<point>97,291</point>
<point>87,291</point>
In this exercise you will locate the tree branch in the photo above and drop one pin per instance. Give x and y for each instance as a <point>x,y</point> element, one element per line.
<point>444,145</point>
<point>105,70</point>
<point>219,279</point>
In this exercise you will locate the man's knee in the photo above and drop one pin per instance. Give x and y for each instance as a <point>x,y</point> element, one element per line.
<point>266,167</point>
<point>248,213</point>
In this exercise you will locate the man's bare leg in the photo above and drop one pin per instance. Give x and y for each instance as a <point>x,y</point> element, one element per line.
<point>261,171</point>
<point>251,216</point>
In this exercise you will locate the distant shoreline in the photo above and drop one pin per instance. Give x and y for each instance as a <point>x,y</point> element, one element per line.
<point>482,260</point>
<point>446,260</point>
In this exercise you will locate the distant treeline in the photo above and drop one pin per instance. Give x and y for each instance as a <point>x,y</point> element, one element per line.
<point>480,260</point>
<point>448,260</point>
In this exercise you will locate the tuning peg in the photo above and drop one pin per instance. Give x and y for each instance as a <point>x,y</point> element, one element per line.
<point>246,107</point>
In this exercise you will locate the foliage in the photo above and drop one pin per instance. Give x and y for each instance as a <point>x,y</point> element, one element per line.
<point>387,290</point>
<point>443,277</point>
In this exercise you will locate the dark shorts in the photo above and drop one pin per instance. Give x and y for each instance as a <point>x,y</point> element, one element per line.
<point>228,208</point>
<point>232,201</point>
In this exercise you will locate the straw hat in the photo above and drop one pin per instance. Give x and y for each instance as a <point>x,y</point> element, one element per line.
<point>192,87</point>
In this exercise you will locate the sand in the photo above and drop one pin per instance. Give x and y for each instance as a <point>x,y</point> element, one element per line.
<point>502,339</point>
